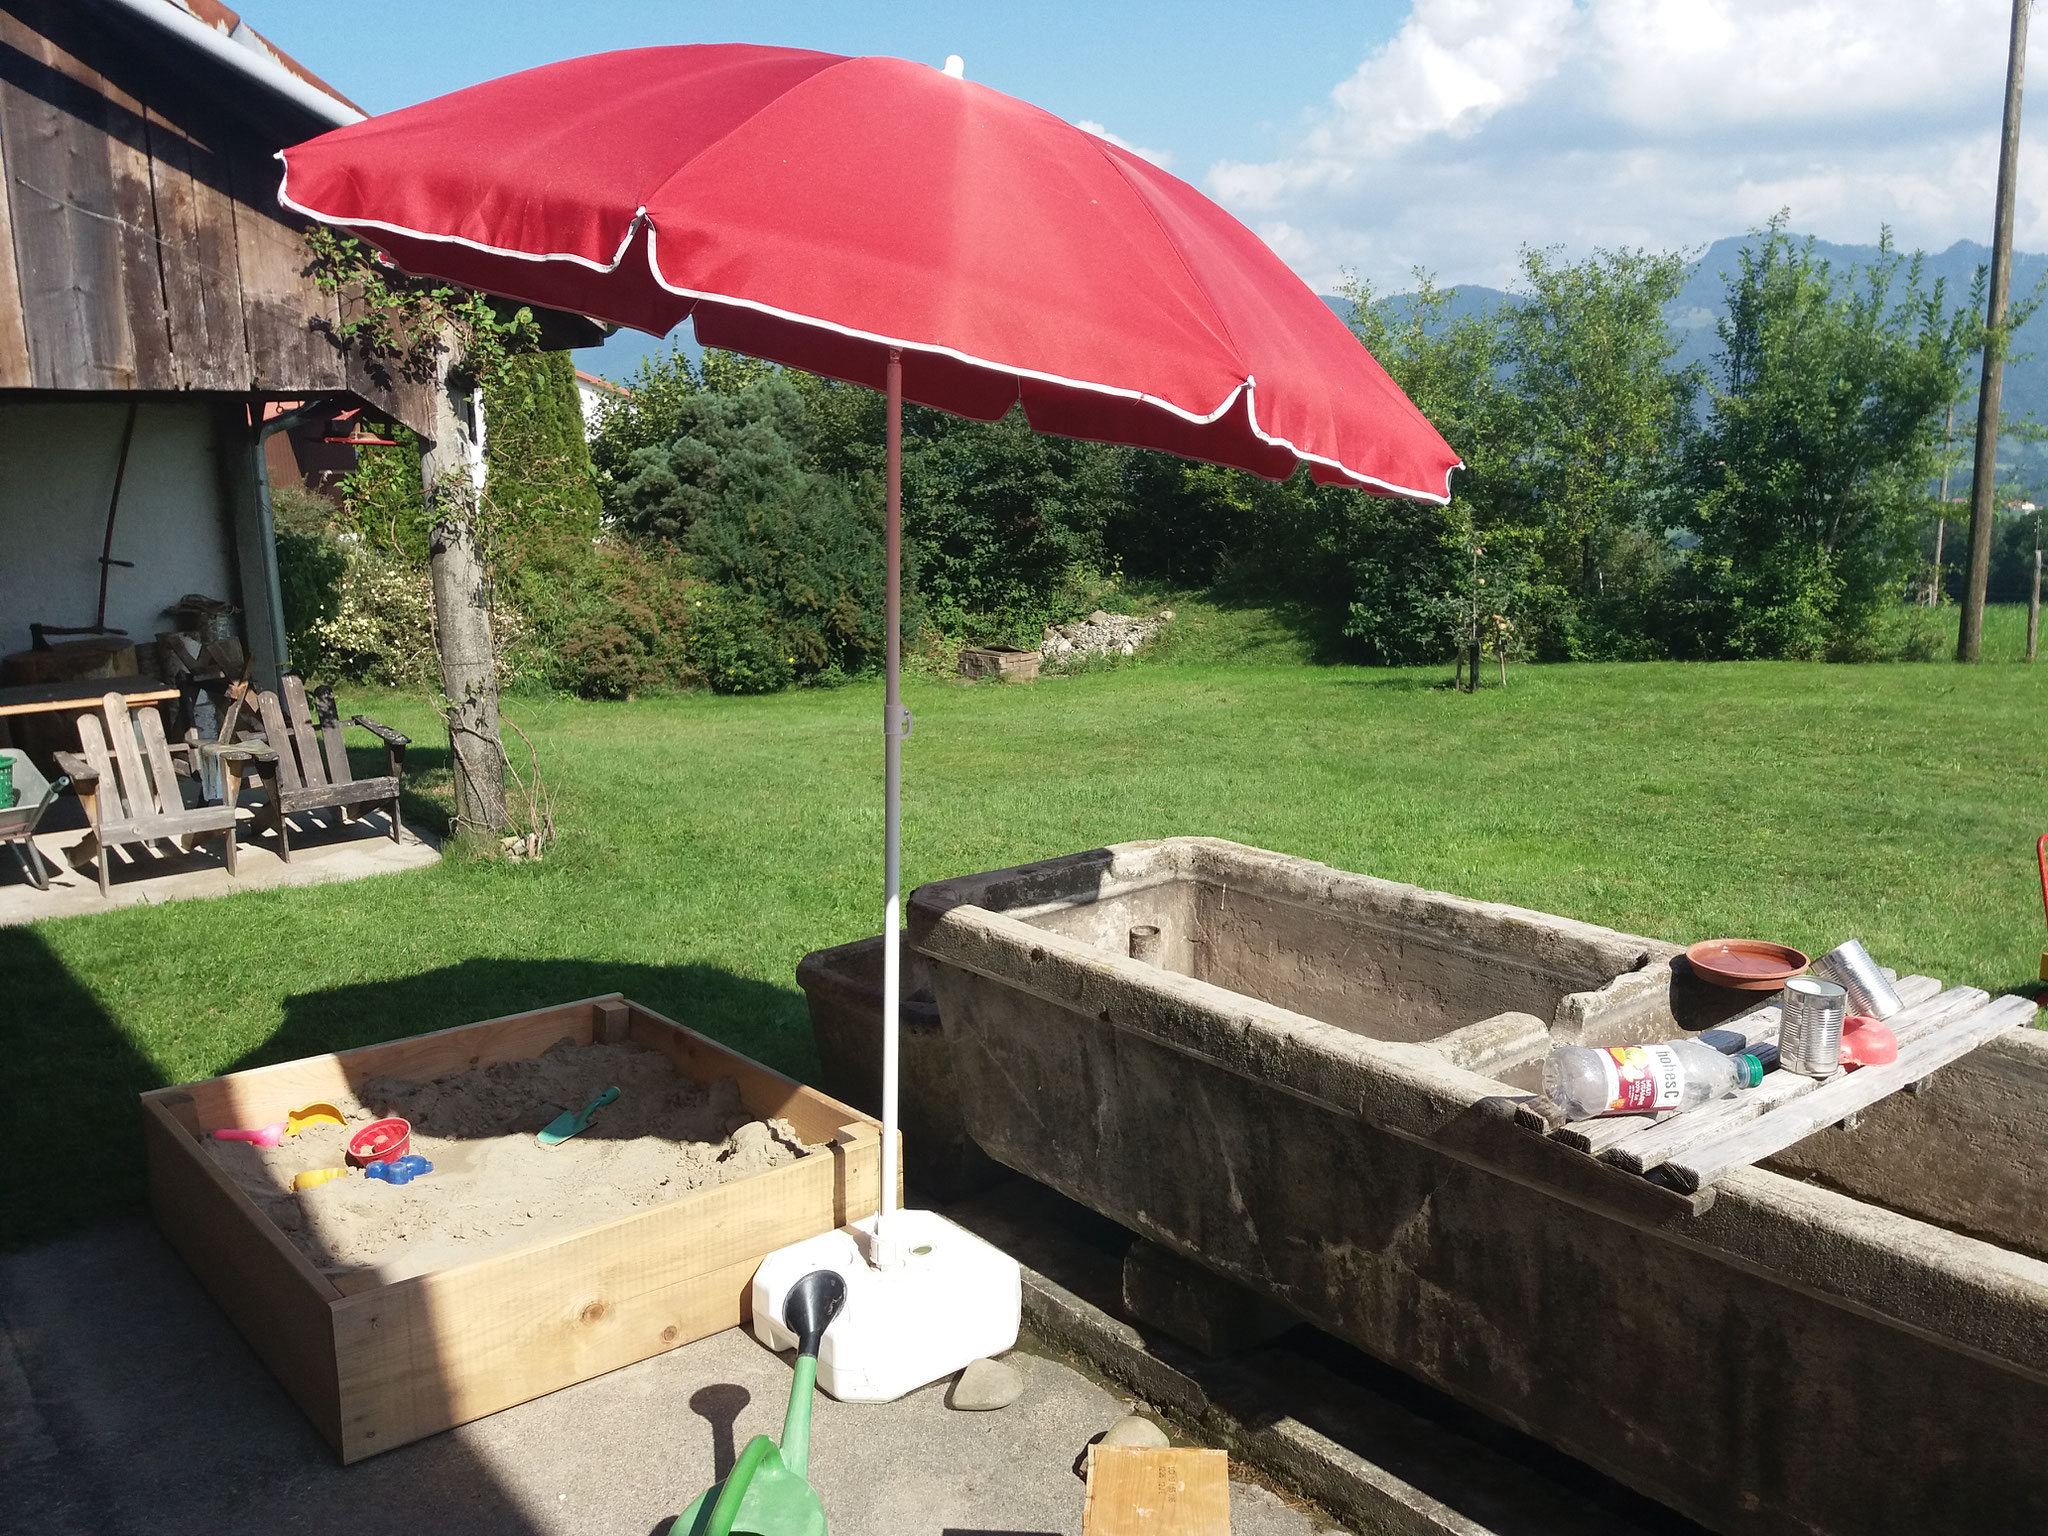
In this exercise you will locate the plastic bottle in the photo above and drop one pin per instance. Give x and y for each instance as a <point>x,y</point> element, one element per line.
<point>1645,1079</point>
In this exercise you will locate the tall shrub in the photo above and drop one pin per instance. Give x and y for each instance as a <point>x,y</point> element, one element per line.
<point>1812,473</point>
<point>1409,560</point>
<point>536,461</point>
<point>1603,418</point>
<point>796,550</point>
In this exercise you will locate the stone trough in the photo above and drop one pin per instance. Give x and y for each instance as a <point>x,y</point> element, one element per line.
<point>1305,1087</point>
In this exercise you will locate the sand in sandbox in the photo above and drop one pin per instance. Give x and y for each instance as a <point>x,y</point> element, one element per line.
<point>494,1186</point>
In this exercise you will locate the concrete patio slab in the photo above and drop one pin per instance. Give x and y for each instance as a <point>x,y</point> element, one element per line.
<point>324,850</point>
<point>129,1404</point>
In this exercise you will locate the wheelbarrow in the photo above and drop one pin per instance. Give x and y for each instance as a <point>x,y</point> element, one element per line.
<point>33,795</point>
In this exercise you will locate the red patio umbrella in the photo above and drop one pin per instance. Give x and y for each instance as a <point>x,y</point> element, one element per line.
<point>881,222</point>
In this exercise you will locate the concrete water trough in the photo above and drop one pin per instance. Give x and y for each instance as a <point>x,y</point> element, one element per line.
<point>1304,1084</point>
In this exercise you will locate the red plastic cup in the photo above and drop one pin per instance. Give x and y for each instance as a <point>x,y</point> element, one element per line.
<point>384,1139</point>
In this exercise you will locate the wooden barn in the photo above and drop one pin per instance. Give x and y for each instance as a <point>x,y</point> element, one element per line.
<point>158,330</point>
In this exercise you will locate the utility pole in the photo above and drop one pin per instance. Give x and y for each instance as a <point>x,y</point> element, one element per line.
<point>1948,438</point>
<point>1970,637</point>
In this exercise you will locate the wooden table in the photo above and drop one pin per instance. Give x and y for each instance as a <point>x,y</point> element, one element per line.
<point>81,693</point>
<point>66,700</point>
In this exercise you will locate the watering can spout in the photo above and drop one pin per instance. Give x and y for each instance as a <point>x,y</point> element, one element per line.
<point>766,1494</point>
<point>811,1305</point>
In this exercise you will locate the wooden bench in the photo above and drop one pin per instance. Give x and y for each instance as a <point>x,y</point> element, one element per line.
<point>311,771</point>
<point>125,781</point>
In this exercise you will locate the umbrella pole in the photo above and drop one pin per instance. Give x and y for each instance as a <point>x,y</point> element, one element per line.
<point>885,1254</point>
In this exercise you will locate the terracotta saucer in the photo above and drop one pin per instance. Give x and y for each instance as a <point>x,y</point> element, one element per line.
<point>1747,965</point>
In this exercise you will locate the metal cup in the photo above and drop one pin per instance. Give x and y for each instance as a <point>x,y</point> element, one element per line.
<point>1850,966</point>
<point>1810,1026</point>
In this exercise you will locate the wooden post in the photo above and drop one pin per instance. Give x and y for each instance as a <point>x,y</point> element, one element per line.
<point>462,616</point>
<point>1970,636</point>
<point>2034,606</point>
<point>1948,437</point>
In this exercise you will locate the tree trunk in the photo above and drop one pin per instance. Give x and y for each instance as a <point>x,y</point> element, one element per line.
<point>462,615</point>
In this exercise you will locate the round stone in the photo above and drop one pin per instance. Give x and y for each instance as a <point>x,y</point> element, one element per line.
<point>984,1385</point>
<point>1136,1429</point>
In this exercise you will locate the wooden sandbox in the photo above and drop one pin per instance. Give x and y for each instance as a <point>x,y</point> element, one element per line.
<point>388,1364</point>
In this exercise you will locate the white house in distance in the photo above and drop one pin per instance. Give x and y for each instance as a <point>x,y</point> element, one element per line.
<point>596,396</point>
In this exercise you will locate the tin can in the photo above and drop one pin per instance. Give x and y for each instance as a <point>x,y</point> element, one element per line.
<point>1849,966</point>
<point>1810,1026</point>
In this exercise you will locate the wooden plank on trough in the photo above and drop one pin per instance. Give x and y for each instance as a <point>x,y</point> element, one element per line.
<point>1759,1026</point>
<point>1138,1490</point>
<point>1773,1132</point>
<point>1658,1145</point>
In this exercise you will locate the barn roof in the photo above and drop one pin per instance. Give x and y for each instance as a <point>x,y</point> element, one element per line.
<point>231,26</point>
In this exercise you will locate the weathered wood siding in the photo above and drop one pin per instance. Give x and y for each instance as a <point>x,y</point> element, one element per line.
<point>141,243</point>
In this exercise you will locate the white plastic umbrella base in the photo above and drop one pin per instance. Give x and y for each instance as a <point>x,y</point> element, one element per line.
<point>953,1299</point>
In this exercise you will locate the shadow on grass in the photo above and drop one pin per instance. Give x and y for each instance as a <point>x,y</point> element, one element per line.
<point>70,1074</point>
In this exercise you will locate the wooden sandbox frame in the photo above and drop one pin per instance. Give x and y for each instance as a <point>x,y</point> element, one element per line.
<point>379,1366</point>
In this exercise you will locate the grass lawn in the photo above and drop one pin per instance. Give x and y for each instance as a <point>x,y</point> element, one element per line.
<point>710,842</point>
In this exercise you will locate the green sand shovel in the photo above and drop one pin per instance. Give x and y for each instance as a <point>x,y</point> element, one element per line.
<point>570,1121</point>
<point>766,1494</point>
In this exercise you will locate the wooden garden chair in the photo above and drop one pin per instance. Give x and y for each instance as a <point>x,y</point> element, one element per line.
<point>130,790</point>
<point>311,770</point>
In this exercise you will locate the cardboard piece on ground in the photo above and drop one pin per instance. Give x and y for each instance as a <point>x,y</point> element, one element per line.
<point>1143,1491</point>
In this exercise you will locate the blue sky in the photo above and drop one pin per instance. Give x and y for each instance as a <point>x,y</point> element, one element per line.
<point>1380,136</point>
<point>1205,81</point>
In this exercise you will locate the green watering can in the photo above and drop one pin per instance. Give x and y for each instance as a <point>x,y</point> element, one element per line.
<point>766,1494</point>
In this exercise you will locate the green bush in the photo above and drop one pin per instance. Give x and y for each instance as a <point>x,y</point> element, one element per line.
<point>1410,580</point>
<point>737,488</point>
<point>734,644</point>
<point>382,502</point>
<point>603,619</point>
<point>1807,486</point>
<point>812,562</point>
<point>382,626</point>
<point>310,562</point>
<point>537,467</point>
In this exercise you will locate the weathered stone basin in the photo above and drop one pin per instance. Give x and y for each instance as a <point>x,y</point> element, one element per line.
<point>1305,1095</point>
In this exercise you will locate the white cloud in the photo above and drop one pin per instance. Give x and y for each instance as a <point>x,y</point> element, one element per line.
<point>1485,125</point>
<point>1451,67</point>
<point>1163,158</point>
